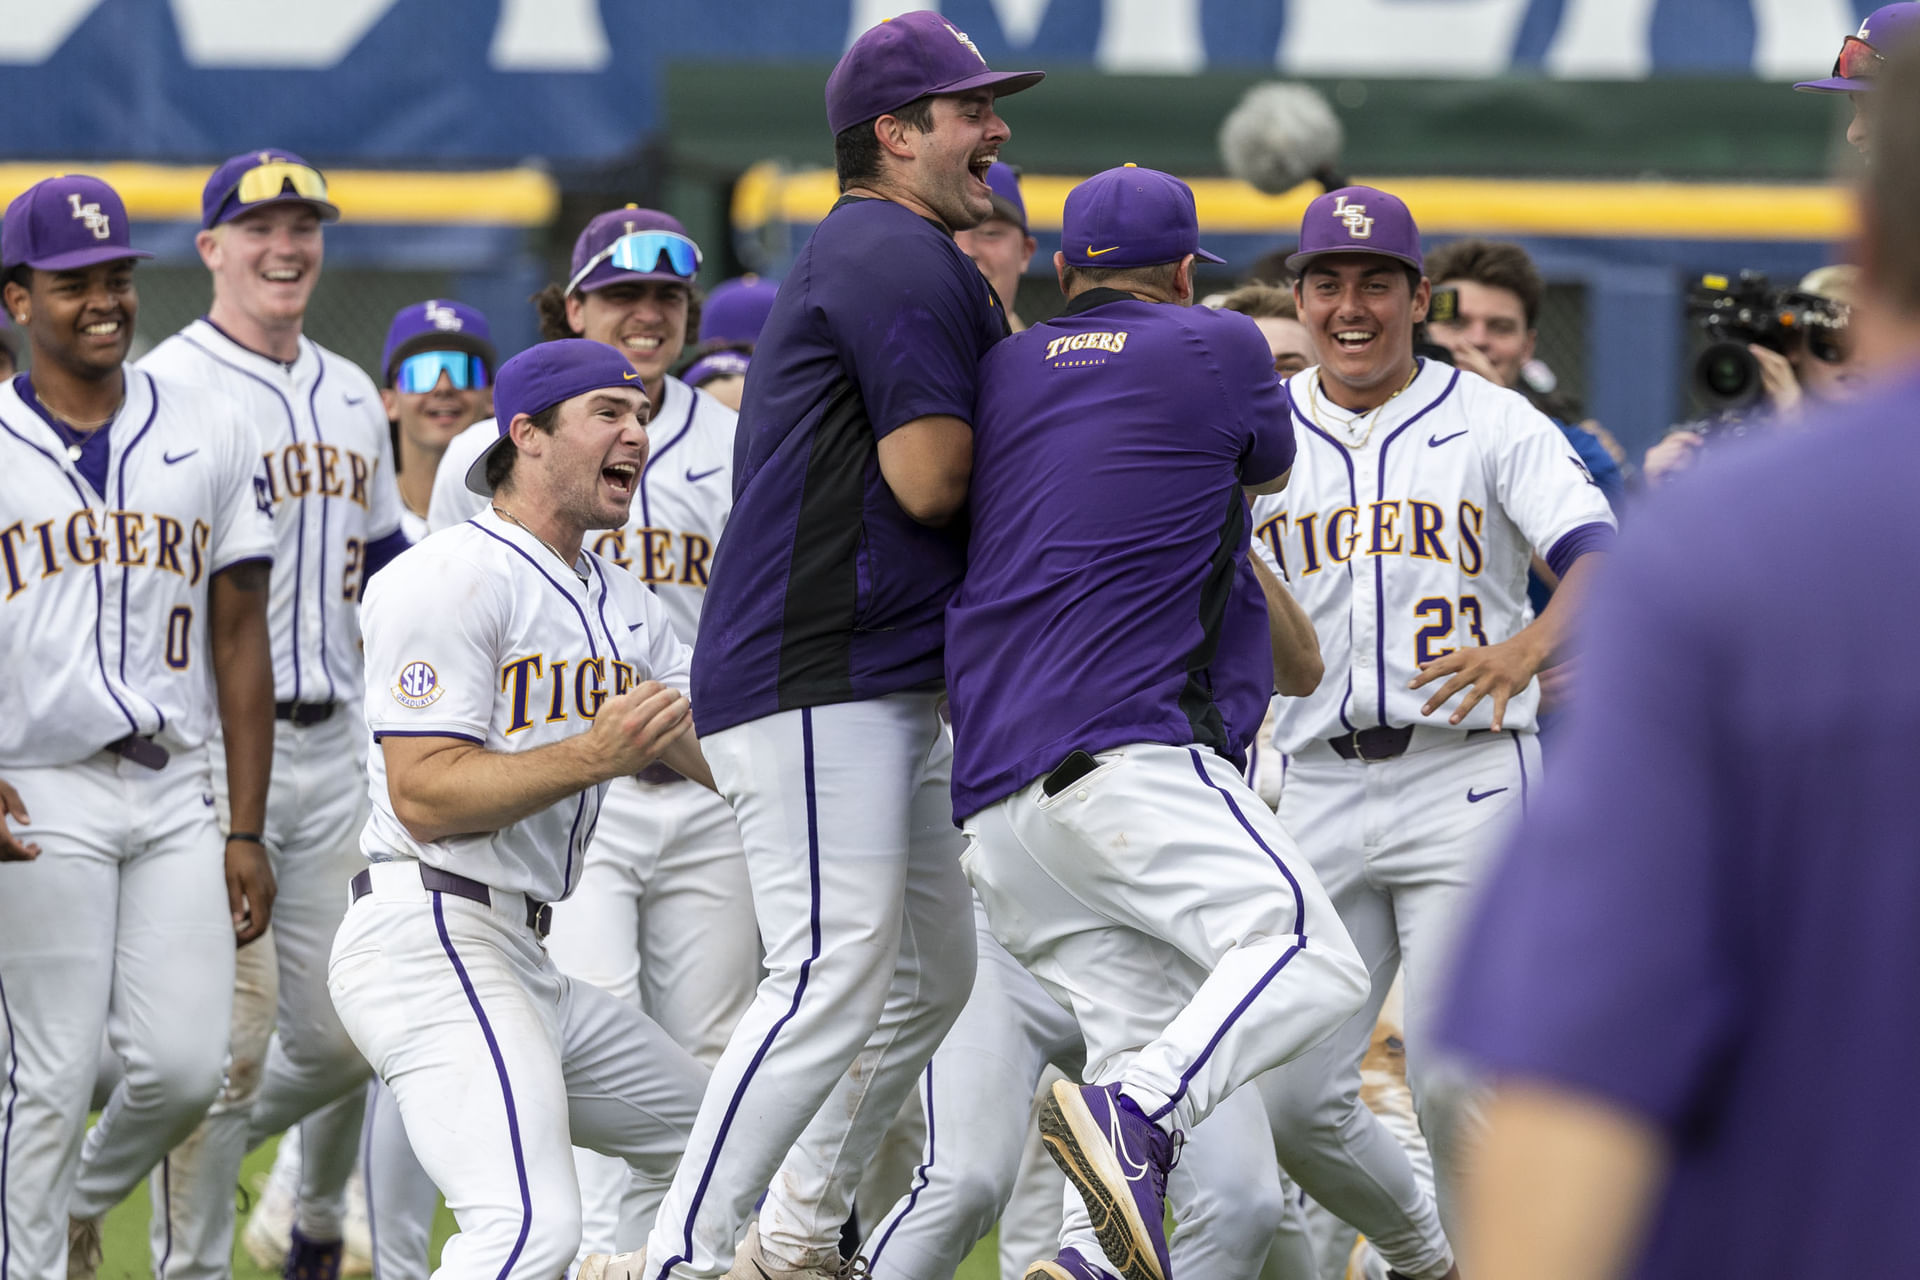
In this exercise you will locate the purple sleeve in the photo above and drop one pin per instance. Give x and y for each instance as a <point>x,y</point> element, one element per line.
<point>1255,399</point>
<point>1600,957</point>
<point>380,553</point>
<point>911,325</point>
<point>1576,543</point>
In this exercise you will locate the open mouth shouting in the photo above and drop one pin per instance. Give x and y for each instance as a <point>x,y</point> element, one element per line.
<point>621,477</point>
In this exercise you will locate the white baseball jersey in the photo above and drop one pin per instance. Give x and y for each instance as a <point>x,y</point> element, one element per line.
<point>104,621</point>
<point>1407,533</point>
<point>330,478</point>
<point>680,505</point>
<point>481,633</point>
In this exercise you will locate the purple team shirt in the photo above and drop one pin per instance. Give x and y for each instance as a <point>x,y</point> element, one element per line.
<point>1108,598</point>
<point>1713,922</point>
<point>823,589</point>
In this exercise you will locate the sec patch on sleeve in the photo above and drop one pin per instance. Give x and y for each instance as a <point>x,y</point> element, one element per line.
<point>419,686</point>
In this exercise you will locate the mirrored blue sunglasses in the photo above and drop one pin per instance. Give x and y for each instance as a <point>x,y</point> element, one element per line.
<point>420,373</point>
<point>644,251</point>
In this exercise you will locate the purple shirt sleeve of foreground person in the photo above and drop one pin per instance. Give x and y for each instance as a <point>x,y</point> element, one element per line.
<point>1602,956</point>
<point>906,326</point>
<point>1255,399</point>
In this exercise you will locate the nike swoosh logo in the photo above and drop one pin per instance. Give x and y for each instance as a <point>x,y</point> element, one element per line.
<point>1434,442</point>
<point>1094,253</point>
<point>1475,797</point>
<point>629,376</point>
<point>206,798</point>
<point>695,477</point>
<point>635,627</point>
<point>1135,1169</point>
<point>171,458</point>
<point>351,399</point>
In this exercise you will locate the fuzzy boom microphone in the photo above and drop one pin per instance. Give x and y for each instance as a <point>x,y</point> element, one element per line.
<point>1281,135</point>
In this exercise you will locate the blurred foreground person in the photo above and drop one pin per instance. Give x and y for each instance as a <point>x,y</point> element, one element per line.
<point>1698,1002</point>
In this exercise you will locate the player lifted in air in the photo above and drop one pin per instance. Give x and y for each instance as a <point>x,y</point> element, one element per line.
<point>1419,494</point>
<point>133,612</point>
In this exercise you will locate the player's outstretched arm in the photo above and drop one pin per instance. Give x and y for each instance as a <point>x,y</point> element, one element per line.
<point>13,809</point>
<point>927,463</point>
<point>1499,671</point>
<point>1297,664</point>
<point>449,786</point>
<point>243,683</point>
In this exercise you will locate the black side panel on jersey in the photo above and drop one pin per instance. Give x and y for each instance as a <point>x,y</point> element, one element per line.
<point>823,588</point>
<point>1196,698</point>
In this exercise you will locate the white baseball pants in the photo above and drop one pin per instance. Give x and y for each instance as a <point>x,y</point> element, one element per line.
<point>497,1060</point>
<point>1164,904</point>
<point>1226,1193</point>
<point>120,928</point>
<point>851,850</point>
<point>290,1057</point>
<point>662,919</point>
<point>1400,845</point>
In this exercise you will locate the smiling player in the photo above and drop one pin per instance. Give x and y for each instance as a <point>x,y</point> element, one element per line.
<point>437,380</point>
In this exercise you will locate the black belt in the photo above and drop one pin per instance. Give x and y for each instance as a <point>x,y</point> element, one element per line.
<point>659,774</point>
<point>144,752</point>
<point>539,914</point>
<point>303,714</point>
<point>1380,742</point>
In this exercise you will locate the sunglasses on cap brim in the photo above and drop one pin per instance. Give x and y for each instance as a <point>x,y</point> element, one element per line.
<point>264,182</point>
<point>1858,60</point>
<point>645,251</point>
<point>421,372</point>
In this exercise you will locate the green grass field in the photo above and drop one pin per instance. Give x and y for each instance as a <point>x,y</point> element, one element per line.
<point>125,1236</point>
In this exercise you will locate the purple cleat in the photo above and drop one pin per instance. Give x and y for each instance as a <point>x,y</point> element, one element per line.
<point>313,1259</point>
<point>1069,1265</point>
<point>1118,1160</point>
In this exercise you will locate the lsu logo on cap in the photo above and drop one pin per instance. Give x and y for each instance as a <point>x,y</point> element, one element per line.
<point>419,686</point>
<point>443,318</point>
<point>89,213</point>
<point>1359,225</point>
<point>961,36</point>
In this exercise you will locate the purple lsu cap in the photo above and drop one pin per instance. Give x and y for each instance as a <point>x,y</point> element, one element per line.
<point>1004,181</point>
<point>1358,220</point>
<point>906,58</point>
<point>728,362</point>
<point>64,223</point>
<point>543,376</point>
<point>437,324</point>
<point>606,230</point>
<point>1854,70</point>
<point>257,179</point>
<point>1131,217</point>
<point>737,309</point>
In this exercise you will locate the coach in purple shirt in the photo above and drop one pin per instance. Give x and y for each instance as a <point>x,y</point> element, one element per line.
<point>1695,974</point>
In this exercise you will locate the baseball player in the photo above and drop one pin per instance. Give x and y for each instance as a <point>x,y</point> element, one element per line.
<point>337,518</point>
<point>663,917</point>
<point>1861,61</point>
<point>513,675</point>
<point>1418,496</point>
<point>1002,246</point>
<point>437,380</point>
<point>731,318</point>
<point>818,668</point>
<point>133,610</point>
<point>1109,659</point>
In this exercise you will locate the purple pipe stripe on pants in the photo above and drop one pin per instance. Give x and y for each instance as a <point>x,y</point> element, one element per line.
<point>506,1085</point>
<point>6,1132</point>
<point>799,990</point>
<point>922,1176</point>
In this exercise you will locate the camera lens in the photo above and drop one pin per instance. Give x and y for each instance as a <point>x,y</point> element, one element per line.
<point>1727,374</point>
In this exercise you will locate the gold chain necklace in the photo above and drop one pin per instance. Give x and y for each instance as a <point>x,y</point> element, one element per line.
<point>511,518</point>
<point>73,434</point>
<point>1313,407</point>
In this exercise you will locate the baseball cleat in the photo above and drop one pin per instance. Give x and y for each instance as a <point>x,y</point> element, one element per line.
<point>751,1262</point>
<point>83,1248</point>
<point>1069,1265</point>
<point>313,1259</point>
<point>613,1266</point>
<point>1118,1160</point>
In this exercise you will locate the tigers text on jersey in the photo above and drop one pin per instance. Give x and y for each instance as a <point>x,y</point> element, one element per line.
<point>103,595</point>
<point>1410,537</point>
<point>330,478</point>
<point>480,633</point>
<point>679,506</point>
